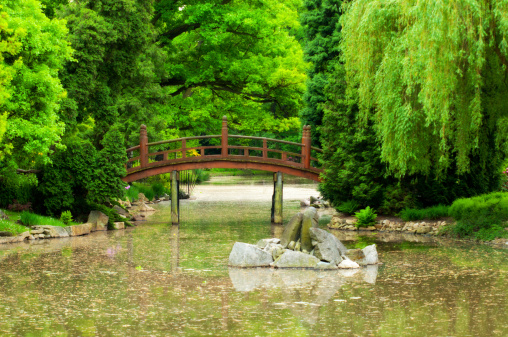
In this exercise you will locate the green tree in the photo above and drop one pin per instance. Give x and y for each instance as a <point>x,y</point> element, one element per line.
<point>235,58</point>
<point>32,51</point>
<point>433,74</point>
<point>321,31</point>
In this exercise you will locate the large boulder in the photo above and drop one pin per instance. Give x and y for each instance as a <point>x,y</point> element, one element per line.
<point>78,230</point>
<point>142,198</point>
<point>51,231</point>
<point>325,247</point>
<point>292,230</point>
<point>292,259</point>
<point>247,255</point>
<point>144,208</point>
<point>98,220</point>
<point>310,220</point>
<point>370,256</point>
<point>340,246</point>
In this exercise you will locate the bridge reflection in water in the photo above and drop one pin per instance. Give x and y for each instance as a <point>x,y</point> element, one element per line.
<point>224,151</point>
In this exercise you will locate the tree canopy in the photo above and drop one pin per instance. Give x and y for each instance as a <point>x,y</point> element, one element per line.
<point>32,51</point>
<point>433,74</point>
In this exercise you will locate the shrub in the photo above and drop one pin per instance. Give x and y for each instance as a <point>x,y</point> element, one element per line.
<point>365,217</point>
<point>158,189</point>
<point>18,207</point>
<point>79,173</point>
<point>489,234</point>
<point>479,214</point>
<point>348,207</point>
<point>432,213</point>
<point>66,217</point>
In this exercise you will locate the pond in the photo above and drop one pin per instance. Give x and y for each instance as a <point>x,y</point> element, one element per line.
<point>162,280</point>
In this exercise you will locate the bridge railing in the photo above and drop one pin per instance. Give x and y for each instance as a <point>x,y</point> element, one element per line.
<point>223,147</point>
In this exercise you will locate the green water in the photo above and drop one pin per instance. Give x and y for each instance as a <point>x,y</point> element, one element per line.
<point>160,280</point>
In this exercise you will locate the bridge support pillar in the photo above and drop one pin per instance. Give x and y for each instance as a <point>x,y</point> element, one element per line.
<point>175,200</point>
<point>278,178</point>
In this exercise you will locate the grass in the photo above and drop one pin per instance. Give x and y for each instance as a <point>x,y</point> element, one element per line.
<point>430,213</point>
<point>32,219</point>
<point>11,226</point>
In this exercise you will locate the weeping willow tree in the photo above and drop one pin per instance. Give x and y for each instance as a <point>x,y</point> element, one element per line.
<point>432,75</point>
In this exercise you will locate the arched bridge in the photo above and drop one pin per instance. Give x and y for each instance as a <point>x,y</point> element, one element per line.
<point>222,151</point>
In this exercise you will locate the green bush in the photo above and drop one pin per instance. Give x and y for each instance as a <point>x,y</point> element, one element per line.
<point>158,189</point>
<point>348,207</point>
<point>365,217</point>
<point>432,213</point>
<point>478,216</point>
<point>79,174</point>
<point>66,217</point>
<point>489,234</point>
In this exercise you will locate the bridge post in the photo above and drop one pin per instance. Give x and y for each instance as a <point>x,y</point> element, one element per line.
<point>306,141</point>
<point>143,146</point>
<point>175,200</point>
<point>278,181</point>
<point>224,138</point>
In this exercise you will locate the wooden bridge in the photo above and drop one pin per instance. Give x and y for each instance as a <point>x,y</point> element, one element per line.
<point>224,151</point>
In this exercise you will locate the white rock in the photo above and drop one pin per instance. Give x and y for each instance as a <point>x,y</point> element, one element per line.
<point>348,264</point>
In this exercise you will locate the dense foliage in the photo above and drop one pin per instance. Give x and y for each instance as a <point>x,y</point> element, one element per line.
<point>33,50</point>
<point>484,216</point>
<point>433,76</point>
<point>320,22</point>
<point>414,113</point>
<point>407,98</point>
<point>78,78</point>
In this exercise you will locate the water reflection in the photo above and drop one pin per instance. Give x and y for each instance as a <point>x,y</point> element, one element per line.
<point>163,280</point>
<point>249,279</point>
<point>175,248</point>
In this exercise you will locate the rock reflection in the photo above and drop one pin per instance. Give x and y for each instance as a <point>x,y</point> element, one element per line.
<point>305,290</point>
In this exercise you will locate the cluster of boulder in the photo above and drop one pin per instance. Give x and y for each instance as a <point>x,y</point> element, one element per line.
<point>97,221</point>
<point>410,227</point>
<point>302,245</point>
<point>137,210</point>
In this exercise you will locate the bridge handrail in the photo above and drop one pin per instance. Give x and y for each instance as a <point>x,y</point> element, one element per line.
<point>134,148</point>
<point>180,139</point>
<point>268,139</point>
<point>317,149</point>
<point>145,158</point>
